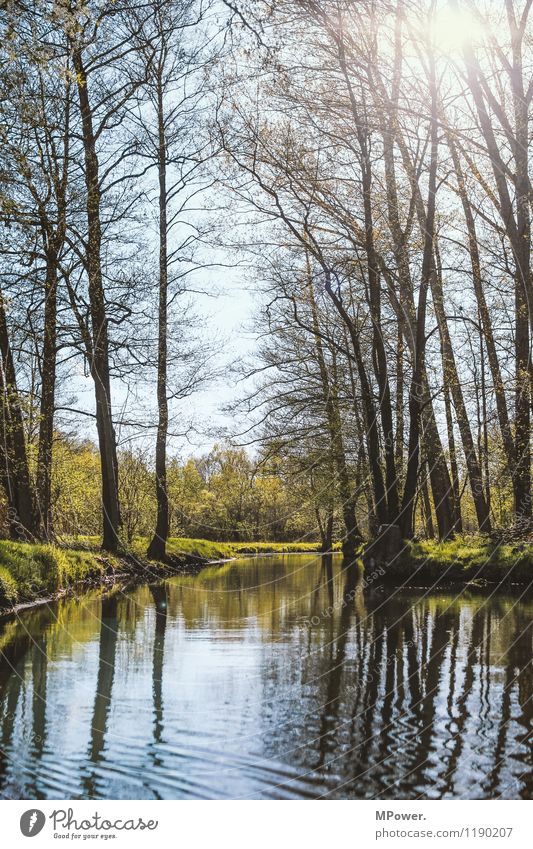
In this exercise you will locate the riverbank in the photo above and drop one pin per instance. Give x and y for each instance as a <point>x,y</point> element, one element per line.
<point>463,560</point>
<point>29,572</point>
<point>189,550</point>
<point>33,573</point>
<point>207,550</point>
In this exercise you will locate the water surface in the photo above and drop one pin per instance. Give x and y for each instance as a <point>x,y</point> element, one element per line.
<point>270,678</point>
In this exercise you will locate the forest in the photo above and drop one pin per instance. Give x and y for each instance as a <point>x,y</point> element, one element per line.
<point>266,390</point>
<point>364,166</point>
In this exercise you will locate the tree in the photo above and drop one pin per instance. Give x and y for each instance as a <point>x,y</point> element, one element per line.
<point>172,141</point>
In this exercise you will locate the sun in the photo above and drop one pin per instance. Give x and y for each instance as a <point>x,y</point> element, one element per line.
<point>453,29</point>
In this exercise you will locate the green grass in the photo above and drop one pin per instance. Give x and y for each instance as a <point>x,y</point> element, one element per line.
<point>29,571</point>
<point>467,558</point>
<point>223,550</point>
<point>204,549</point>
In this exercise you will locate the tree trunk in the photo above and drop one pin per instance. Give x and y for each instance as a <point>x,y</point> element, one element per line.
<point>453,459</point>
<point>47,406</point>
<point>20,495</point>
<point>399,403</point>
<point>100,342</point>
<point>452,382</point>
<point>362,459</point>
<point>484,315</point>
<point>406,311</point>
<point>426,510</point>
<point>353,534</point>
<point>325,529</point>
<point>369,411</point>
<point>418,389</point>
<point>524,287</point>
<point>378,347</point>
<point>516,221</point>
<point>157,547</point>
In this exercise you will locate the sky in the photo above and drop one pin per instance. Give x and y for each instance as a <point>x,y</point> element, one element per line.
<point>230,313</point>
<point>227,311</point>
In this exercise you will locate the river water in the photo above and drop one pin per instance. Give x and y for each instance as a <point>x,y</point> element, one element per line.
<point>275,677</point>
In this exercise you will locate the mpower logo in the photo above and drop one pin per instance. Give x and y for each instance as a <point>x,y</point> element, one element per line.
<point>32,822</point>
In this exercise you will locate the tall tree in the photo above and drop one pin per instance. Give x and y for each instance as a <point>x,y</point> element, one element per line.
<point>172,141</point>
<point>108,71</point>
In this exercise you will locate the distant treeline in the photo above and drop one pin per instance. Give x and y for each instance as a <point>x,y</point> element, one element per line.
<point>222,495</point>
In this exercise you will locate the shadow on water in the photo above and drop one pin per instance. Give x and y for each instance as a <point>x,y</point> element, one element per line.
<point>11,681</point>
<point>104,685</point>
<point>159,594</point>
<point>279,677</point>
<point>330,712</point>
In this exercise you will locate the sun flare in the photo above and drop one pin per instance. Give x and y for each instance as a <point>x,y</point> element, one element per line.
<point>453,29</point>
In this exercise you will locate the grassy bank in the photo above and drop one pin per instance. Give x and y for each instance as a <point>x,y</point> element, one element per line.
<point>466,558</point>
<point>30,572</point>
<point>205,549</point>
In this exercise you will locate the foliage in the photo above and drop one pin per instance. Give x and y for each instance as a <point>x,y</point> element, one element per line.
<point>226,495</point>
<point>76,499</point>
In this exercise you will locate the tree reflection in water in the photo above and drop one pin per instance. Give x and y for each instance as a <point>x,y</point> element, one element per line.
<point>279,677</point>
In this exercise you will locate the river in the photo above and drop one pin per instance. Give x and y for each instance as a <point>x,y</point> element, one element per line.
<point>272,678</point>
